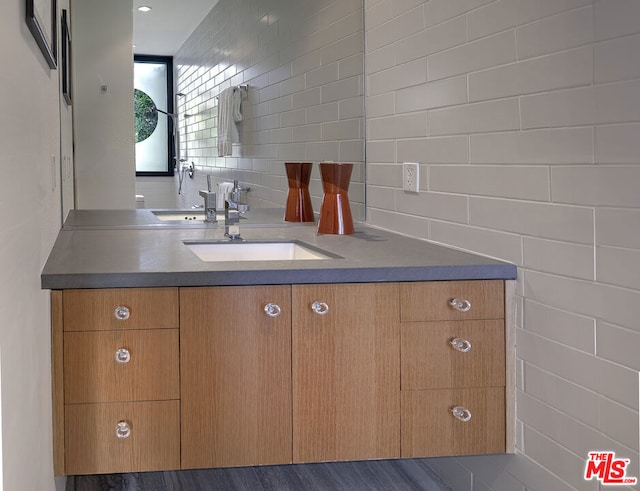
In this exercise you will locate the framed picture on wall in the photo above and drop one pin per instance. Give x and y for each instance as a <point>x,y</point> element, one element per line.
<point>65,65</point>
<point>42,21</point>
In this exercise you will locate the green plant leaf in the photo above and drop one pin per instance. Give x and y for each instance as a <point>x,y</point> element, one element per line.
<point>145,115</point>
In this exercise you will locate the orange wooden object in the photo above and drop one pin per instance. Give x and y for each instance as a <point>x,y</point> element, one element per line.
<point>335,212</point>
<point>299,208</point>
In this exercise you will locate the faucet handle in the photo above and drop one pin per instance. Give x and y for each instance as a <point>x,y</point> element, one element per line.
<point>207,194</point>
<point>209,205</point>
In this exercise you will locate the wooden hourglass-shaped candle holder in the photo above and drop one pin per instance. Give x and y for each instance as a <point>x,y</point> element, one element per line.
<point>299,208</point>
<point>335,212</point>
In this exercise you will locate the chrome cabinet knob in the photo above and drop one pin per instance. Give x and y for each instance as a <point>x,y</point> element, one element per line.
<point>272,309</point>
<point>122,313</point>
<point>461,305</point>
<point>123,355</point>
<point>123,430</point>
<point>320,308</point>
<point>462,345</point>
<point>461,413</point>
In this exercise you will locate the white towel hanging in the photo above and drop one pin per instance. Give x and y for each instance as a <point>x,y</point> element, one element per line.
<point>224,190</point>
<point>229,113</point>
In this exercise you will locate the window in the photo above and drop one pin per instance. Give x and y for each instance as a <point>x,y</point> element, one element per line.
<point>153,113</point>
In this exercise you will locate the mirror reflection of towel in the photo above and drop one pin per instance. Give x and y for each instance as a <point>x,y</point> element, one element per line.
<point>224,190</point>
<point>228,115</point>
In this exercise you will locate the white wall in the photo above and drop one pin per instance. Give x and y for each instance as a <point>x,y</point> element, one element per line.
<point>103,122</point>
<point>303,64</point>
<point>525,116</point>
<point>161,191</point>
<point>31,217</point>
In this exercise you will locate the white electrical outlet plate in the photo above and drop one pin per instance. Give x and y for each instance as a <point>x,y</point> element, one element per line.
<point>410,176</point>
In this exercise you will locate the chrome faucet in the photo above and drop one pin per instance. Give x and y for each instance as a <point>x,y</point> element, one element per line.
<point>233,207</point>
<point>209,203</point>
<point>231,221</point>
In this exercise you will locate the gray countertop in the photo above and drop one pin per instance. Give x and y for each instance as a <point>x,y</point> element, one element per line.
<point>132,248</point>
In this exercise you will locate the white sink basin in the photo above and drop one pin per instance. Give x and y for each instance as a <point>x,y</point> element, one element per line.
<point>180,216</point>
<point>186,216</point>
<point>256,251</point>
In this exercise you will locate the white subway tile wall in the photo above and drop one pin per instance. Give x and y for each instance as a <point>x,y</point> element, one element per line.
<point>556,33</point>
<point>527,129</point>
<point>303,64</point>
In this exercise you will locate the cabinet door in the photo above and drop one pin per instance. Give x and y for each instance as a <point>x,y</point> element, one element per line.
<point>431,300</point>
<point>113,309</point>
<point>97,443</point>
<point>235,362</point>
<point>430,428</point>
<point>110,366</point>
<point>432,360</point>
<point>346,372</point>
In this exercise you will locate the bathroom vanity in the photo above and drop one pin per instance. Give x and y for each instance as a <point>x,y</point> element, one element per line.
<point>389,348</point>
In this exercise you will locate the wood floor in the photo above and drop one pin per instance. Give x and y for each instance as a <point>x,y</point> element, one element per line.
<point>381,475</point>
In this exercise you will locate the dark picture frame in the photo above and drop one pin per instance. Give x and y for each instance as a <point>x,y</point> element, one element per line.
<point>65,63</point>
<point>43,24</point>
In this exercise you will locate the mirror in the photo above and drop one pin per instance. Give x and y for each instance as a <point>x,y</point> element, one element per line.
<point>303,64</point>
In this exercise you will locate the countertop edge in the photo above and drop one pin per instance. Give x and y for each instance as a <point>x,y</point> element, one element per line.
<point>503,271</point>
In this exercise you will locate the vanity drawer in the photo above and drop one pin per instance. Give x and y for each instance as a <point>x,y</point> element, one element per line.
<point>101,366</point>
<point>431,361</point>
<point>120,308</point>
<point>429,427</point>
<point>431,301</point>
<point>122,437</point>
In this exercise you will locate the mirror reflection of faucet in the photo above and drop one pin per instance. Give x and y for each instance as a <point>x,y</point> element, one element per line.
<point>209,203</point>
<point>209,206</point>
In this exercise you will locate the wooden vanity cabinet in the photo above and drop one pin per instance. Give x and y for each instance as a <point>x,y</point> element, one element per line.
<point>256,375</point>
<point>453,368</point>
<point>116,376</point>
